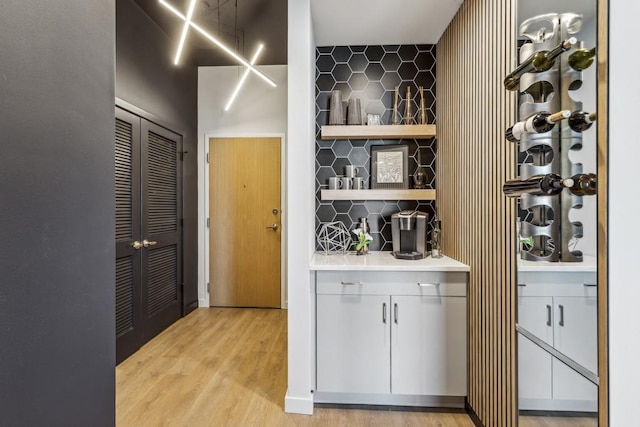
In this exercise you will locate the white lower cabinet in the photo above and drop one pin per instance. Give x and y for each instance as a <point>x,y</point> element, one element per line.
<point>560,310</point>
<point>405,337</point>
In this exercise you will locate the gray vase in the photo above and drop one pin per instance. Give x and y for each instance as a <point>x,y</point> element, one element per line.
<point>336,114</point>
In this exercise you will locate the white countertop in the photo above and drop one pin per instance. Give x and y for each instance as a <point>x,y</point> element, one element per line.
<point>588,265</point>
<point>383,261</point>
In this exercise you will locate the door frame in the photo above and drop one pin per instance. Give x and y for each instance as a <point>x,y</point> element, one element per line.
<point>203,229</point>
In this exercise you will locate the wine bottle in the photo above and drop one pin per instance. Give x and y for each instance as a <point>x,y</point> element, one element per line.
<point>538,185</point>
<point>537,63</point>
<point>581,58</point>
<point>581,121</point>
<point>538,123</point>
<point>584,184</point>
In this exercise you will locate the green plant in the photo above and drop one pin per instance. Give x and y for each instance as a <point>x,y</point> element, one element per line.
<point>363,239</point>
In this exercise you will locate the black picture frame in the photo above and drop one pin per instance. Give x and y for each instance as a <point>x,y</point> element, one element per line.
<point>390,166</point>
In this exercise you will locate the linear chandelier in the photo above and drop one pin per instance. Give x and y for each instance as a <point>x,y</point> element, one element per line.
<point>243,78</point>
<point>189,23</point>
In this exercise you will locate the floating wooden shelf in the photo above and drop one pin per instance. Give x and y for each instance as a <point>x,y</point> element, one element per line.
<point>378,132</point>
<point>378,194</point>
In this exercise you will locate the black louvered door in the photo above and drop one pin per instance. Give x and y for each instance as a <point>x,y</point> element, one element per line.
<point>148,231</point>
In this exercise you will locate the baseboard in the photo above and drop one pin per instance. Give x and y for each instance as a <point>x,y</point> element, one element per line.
<point>390,400</point>
<point>203,303</point>
<point>298,405</point>
<point>472,414</point>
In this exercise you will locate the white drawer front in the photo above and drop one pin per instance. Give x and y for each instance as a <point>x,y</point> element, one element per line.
<point>391,283</point>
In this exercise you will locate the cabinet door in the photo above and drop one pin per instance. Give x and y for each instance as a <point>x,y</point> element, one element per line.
<point>429,343</point>
<point>353,353</point>
<point>575,335</point>
<point>535,314</point>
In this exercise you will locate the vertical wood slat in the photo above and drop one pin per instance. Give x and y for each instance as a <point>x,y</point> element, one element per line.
<point>602,164</point>
<point>474,54</point>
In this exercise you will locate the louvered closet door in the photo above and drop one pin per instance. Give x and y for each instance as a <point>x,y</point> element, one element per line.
<point>161,196</point>
<point>128,260</point>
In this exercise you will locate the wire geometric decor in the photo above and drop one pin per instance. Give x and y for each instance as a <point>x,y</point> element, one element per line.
<point>334,238</point>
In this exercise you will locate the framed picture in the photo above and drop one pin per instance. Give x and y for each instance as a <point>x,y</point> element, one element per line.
<point>390,166</point>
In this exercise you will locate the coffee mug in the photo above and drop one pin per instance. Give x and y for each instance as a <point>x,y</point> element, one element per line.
<point>347,183</point>
<point>335,183</point>
<point>358,183</point>
<point>351,171</point>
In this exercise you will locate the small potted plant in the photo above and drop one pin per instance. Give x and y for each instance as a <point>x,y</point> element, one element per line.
<point>362,241</point>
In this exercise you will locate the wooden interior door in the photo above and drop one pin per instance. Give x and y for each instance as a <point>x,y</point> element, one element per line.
<point>148,184</point>
<point>245,226</point>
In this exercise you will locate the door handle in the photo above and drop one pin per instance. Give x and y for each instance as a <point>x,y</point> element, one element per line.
<point>561,323</point>
<point>395,313</point>
<point>146,243</point>
<point>548,315</point>
<point>384,312</point>
<point>274,227</point>
<point>137,245</point>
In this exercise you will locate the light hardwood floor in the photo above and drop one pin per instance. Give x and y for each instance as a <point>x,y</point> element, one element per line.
<point>228,367</point>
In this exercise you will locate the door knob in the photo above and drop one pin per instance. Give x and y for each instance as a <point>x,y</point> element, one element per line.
<point>137,245</point>
<point>146,243</point>
<point>274,227</point>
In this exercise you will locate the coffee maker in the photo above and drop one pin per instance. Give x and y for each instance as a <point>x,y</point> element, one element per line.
<point>409,233</point>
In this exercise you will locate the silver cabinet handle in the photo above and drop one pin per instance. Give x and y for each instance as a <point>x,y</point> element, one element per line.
<point>395,313</point>
<point>384,312</point>
<point>351,283</point>
<point>561,322</point>
<point>137,245</point>
<point>146,243</point>
<point>424,285</point>
<point>273,227</point>
<point>522,284</point>
<point>590,285</point>
<point>548,315</point>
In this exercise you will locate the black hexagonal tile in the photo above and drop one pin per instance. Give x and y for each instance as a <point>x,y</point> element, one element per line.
<point>408,52</point>
<point>345,219</point>
<point>375,107</point>
<point>359,157</point>
<point>357,211</point>
<point>386,232</point>
<point>341,148</point>
<point>425,47</point>
<point>408,205</point>
<point>424,79</point>
<point>323,174</point>
<point>342,206</point>
<point>322,100</point>
<point>389,209</point>
<point>391,61</point>
<point>325,213</point>
<point>341,72</point>
<point>324,49</point>
<point>339,164</point>
<point>341,53</point>
<point>374,71</point>
<point>358,62</point>
<point>390,80</point>
<point>358,81</point>
<point>375,91</point>
<point>425,61</point>
<point>374,207</point>
<point>407,71</point>
<point>391,47</point>
<point>325,82</point>
<point>325,63</point>
<point>323,117</point>
<point>357,48</point>
<point>346,93</point>
<point>326,157</point>
<point>374,53</point>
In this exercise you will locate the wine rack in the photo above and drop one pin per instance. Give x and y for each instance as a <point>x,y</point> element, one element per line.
<point>548,221</point>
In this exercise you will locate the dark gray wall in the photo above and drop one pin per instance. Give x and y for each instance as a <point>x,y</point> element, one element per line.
<point>57,332</point>
<point>147,78</point>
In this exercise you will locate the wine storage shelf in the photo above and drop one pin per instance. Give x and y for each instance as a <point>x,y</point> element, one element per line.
<point>377,194</point>
<point>378,132</point>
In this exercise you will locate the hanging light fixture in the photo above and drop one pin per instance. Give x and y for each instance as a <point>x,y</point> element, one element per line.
<point>243,78</point>
<point>215,41</point>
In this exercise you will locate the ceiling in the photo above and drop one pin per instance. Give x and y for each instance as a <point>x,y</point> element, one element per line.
<point>371,22</point>
<point>258,21</point>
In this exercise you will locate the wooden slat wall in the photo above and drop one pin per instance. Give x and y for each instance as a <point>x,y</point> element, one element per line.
<point>474,54</point>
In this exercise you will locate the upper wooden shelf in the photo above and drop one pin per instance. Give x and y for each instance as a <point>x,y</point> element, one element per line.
<point>378,194</point>
<point>378,132</point>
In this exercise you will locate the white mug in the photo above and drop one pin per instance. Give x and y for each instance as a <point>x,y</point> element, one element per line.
<point>335,183</point>
<point>347,183</point>
<point>358,183</point>
<point>351,171</point>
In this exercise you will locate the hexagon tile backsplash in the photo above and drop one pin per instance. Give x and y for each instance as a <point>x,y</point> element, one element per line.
<point>371,74</point>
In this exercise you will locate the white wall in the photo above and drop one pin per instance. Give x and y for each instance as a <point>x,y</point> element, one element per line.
<point>624,205</point>
<point>259,109</point>
<point>301,190</point>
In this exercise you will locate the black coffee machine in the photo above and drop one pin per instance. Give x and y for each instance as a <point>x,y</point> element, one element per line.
<point>409,232</point>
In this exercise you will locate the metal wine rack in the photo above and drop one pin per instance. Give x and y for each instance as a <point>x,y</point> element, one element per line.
<point>547,217</point>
